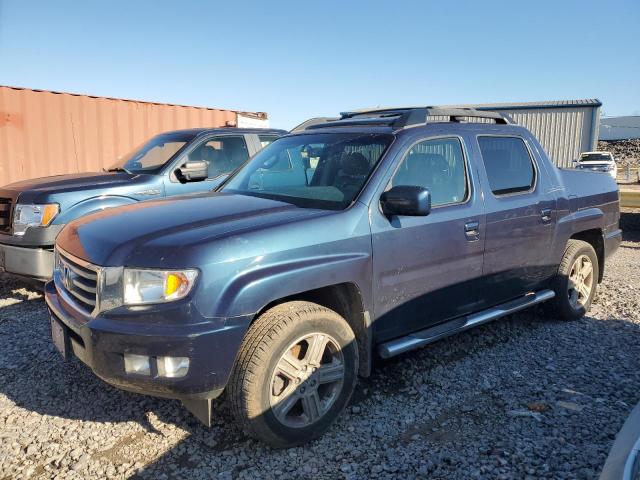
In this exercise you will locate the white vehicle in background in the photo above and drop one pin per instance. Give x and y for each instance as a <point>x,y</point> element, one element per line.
<point>598,162</point>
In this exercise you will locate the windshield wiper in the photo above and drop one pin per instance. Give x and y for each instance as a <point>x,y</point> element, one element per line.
<point>116,169</point>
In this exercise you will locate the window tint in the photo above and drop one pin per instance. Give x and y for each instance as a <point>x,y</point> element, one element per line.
<point>222,154</point>
<point>266,139</point>
<point>437,165</point>
<point>508,164</point>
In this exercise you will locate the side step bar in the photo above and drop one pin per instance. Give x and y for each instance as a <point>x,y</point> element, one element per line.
<point>431,334</point>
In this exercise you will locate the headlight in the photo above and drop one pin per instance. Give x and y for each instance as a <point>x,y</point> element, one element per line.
<point>26,216</point>
<point>156,286</point>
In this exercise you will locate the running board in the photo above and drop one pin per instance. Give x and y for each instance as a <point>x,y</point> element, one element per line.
<point>430,335</point>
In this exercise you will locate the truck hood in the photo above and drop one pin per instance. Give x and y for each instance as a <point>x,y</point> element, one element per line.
<point>158,233</point>
<point>43,190</point>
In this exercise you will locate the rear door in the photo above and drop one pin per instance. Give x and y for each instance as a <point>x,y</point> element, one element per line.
<point>427,269</point>
<point>520,214</point>
<point>222,153</point>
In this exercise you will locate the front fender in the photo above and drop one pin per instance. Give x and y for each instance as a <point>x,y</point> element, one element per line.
<point>253,289</point>
<point>92,205</point>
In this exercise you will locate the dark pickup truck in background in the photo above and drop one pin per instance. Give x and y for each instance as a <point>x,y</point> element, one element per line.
<point>373,234</point>
<point>33,212</point>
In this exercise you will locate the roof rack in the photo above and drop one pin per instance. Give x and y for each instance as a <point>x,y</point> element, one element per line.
<point>313,121</point>
<point>398,118</point>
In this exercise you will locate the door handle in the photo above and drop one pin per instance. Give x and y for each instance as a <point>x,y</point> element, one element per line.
<point>472,230</point>
<point>545,213</point>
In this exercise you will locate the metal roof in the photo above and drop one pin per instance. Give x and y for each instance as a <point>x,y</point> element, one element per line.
<point>585,102</point>
<point>253,114</point>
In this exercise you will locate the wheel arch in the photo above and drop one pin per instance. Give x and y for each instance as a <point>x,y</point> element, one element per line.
<point>346,300</point>
<point>595,238</point>
<point>94,204</point>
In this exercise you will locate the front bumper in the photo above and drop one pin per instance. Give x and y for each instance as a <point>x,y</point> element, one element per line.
<point>33,263</point>
<point>101,342</point>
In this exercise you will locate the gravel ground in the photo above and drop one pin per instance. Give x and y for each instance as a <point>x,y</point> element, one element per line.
<point>524,397</point>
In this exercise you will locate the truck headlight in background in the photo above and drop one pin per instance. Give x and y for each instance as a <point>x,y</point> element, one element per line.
<point>156,286</point>
<point>26,216</point>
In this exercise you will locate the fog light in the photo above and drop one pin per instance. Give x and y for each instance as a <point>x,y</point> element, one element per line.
<point>136,364</point>
<point>173,367</point>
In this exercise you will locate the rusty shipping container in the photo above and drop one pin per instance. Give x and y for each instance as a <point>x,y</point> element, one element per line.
<point>50,133</point>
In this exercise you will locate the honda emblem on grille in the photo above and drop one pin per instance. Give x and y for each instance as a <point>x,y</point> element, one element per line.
<point>66,277</point>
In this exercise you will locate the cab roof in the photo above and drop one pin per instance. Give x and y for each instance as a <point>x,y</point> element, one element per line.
<point>200,131</point>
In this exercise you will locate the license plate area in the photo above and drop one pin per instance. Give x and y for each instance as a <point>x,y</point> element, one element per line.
<point>60,338</point>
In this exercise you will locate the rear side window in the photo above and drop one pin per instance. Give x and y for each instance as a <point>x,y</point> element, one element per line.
<point>508,164</point>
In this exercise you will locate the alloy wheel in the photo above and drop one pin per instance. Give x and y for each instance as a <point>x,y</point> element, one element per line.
<point>307,380</point>
<point>580,281</point>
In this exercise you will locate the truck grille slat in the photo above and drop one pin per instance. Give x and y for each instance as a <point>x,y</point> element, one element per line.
<point>84,273</point>
<point>6,206</point>
<point>86,288</point>
<point>80,279</point>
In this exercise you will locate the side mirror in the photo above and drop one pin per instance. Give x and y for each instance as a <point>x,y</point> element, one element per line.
<point>193,171</point>
<point>406,200</point>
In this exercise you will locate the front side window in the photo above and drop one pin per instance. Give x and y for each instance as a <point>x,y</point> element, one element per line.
<point>266,139</point>
<point>154,154</point>
<point>437,165</point>
<point>222,154</point>
<point>508,164</point>
<point>324,170</point>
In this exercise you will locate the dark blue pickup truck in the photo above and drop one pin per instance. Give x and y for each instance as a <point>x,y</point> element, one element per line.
<point>33,212</point>
<point>372,234</point>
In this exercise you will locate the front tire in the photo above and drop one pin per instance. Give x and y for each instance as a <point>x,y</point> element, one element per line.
<point>295,373</point>
<point>576,282</point>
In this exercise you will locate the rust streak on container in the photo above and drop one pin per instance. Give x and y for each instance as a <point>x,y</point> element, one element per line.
<point>51,133</point>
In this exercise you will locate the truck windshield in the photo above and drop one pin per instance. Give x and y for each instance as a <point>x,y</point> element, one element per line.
<point>154,154</point>
<point>589,157</point>
<point>325,170</point>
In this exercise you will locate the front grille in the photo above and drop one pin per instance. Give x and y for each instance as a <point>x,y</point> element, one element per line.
<point>79,278</point>
<point>6,205</point>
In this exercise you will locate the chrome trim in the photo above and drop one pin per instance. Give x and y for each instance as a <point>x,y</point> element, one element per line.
<point>427,336</point>
<point>69,260</point>
<point>79,261</point>
<point>79,272</point>
<point>84,287</point>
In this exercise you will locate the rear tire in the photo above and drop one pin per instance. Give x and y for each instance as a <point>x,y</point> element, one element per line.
<point>576,282</point>
<point>295,373</point>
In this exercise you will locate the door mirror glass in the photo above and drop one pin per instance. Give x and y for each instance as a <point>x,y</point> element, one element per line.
<point>193,171</point>
<point>406,200</point>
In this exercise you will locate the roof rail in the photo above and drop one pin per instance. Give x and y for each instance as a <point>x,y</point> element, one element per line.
<point>313,121</point>
<point>416,115</point>
<point>402,117</point>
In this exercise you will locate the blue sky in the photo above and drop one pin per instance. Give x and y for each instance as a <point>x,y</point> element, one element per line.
<point>297,60</point>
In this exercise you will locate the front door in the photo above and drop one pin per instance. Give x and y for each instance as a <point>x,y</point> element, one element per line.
<point>427,269</point>
<point>521,214</point>
<point>222,153</point>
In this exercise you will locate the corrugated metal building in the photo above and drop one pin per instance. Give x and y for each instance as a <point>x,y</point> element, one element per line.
<point>49,133</point>
<point>565,128</point>
<point>620,128</point>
